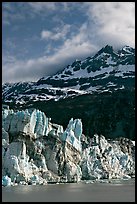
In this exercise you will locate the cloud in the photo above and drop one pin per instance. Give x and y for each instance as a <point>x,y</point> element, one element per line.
<point>20,11</point>
<point>13,12</point>
<point>106,23</point>
<point>59,33</point>
<point>78,46</point>
<point>112,23</point>
<point>40,6</point>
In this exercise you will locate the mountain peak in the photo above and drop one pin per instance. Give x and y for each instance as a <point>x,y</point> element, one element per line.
<point>128,49</point>
<point>107,49</point>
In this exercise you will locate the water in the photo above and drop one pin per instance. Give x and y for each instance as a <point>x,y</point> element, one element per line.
<point>81,192</point>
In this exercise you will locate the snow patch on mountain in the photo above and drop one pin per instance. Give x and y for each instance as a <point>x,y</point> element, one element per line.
<point>81,77</point>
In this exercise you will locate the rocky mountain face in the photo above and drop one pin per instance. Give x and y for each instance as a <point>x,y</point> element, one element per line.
<point>107,71</point>
<point>37,151</point>
<point>100,90</point>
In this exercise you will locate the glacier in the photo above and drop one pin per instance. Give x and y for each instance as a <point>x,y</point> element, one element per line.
<point>36,151</point>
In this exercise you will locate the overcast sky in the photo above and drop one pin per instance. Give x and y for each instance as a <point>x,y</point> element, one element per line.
<point>40,38</point>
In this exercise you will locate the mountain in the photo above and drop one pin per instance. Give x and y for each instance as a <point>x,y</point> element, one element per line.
<point>105,71</point>
<point>100,90</point>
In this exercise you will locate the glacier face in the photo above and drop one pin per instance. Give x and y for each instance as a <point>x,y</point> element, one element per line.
<point>28,121</point>
<point>108,159</point>
<point>35,123</point>
<point>73,133</point>
<point>37,151</point>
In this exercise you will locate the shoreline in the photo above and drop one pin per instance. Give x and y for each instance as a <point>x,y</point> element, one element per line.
<point>98,181</point>
<point>123,191</point>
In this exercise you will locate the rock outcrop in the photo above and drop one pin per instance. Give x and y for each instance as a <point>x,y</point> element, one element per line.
<point>36,151</point>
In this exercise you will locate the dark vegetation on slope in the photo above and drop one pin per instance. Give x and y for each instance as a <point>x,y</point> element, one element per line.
<point>109,114</point>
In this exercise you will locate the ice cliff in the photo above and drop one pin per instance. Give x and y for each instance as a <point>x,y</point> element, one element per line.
<point>108,159</point>
<point>37,151</point>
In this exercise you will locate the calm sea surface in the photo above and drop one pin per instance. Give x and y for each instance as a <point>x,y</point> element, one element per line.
<point>98,192</point>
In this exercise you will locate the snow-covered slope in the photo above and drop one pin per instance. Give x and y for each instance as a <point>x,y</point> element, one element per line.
<point>106,71</point>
